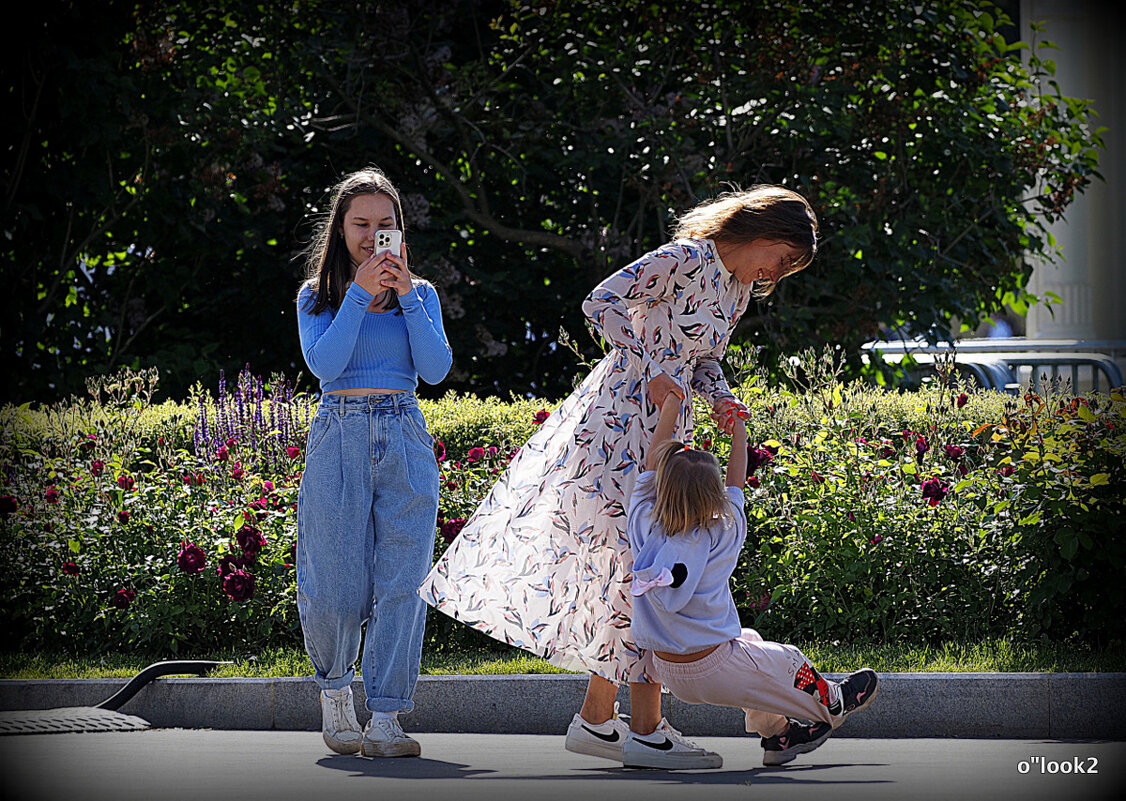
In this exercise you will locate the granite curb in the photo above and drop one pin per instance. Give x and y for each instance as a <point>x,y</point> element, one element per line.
<point>1006,705</point>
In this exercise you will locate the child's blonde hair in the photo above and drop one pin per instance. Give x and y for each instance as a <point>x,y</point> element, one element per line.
<point>689,489</point>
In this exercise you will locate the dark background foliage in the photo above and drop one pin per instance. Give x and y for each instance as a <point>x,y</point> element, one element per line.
<point>167,158</point>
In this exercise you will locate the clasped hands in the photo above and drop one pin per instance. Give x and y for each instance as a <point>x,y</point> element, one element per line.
<point>724,412</point>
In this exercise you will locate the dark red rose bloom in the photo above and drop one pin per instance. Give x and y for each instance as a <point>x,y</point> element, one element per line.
<point>1005,469</point>
<point>125,482</point>
<point>541,416</point>
<point>909,435</point>
<point>231,443</point>
<point>236,472</point>
<point>757,457</point>
<point>89,442</point>
<point>753,482</point>
<point>492,450</point>
<point>954,452</point>
<point>934,491</point>
<point>475,455</point>
<point>963,469</point>
<point>97,466</point>
<point>122,598</point>
<point>227,564</point>
<point>705,443</point>
<point>8,504</point>
<point>123,516</point>
<point>239,586</point>
<point>250,540</point>
<point>293,452</point>
<point>877,539</point>
<point>921,445</point>
<point>192,559</point>
<point>439,450</point>
<point>451,528</point>
<point>71,569</point>
<point>961,400</point>
<point>222,453</point>
<point>51,495</point>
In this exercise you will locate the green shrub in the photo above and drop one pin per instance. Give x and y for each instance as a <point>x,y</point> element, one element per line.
<point>921,517</point>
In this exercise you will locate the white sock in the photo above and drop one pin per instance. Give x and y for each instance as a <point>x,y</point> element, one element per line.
<point>384,715</point>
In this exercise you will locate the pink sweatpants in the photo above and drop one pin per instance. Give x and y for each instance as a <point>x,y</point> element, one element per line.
<point>767,680</point>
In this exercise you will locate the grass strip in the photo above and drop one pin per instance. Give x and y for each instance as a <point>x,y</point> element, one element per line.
<point>989,656</point>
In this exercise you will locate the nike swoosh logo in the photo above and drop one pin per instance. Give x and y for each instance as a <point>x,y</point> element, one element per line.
<point>665,746</point>
<point>610,738</point>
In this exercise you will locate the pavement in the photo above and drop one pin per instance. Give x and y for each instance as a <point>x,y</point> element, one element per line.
<point>189,764</point>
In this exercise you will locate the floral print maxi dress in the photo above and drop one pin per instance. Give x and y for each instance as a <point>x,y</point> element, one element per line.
<point>544,563</point>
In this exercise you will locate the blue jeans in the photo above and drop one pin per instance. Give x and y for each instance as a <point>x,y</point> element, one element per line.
<point>366,513</point>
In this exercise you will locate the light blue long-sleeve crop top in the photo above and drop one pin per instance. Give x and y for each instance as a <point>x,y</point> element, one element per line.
<point>354,348</point>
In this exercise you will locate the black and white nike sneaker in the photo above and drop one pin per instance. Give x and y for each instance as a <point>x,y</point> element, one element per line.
<point>668,749</point>
<point>597,739</point>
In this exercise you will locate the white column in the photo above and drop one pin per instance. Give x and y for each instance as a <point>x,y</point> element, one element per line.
<point>1091,278</point>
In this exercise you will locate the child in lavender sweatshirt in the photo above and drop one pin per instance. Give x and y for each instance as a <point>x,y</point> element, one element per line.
<point>686,530</point>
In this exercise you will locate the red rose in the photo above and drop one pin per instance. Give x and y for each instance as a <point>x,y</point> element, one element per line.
<point>239,586</point>
<point>250,540</point>
<point>757,457</point>
<point>122,598</point>
<point>237,472</point>
<point>541,416</point>
<point>71,569</point>
<point>953,452</point>
<point>476,454</point>
<point>293,452</point>
<point>8,505</point>
<point>753,482</point>
<point>1005,470</point>
<point>439,450</point>
<point>877,539</point>
<point>97,466</point>
<point>125,482</point>
<point>221,454</point>
<point>89,442</point>
<point>451,528</point>
<point>123,516</point>
<point>227,564</point>
<point>191,559</point>
<point>51,495</point>
<point>961,400</point>
<point>934,491</point>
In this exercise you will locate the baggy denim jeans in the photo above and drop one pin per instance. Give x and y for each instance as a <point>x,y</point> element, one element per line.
<point>366,513</point>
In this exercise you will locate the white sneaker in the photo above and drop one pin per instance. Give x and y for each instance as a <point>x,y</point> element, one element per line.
<point>666,748</point>
<point>384,737</point>
<point>339,727</point>
<point>600,740</point>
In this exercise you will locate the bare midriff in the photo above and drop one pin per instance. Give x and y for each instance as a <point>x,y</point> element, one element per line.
<point>692,657</point>
<point>363,391</point>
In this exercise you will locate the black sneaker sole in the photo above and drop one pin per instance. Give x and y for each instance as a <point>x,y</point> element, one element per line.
<point>773,759</point>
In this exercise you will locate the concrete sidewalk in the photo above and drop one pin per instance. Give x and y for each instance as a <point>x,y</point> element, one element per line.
<point>176,764</point>
<point>1007,705</point>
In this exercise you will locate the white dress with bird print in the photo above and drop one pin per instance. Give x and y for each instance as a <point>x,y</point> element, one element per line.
<point>544,563</point>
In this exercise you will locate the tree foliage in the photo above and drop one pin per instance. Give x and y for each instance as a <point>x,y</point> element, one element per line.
<point>172,153</point>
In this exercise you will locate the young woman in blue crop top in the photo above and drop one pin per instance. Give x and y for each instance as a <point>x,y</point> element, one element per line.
<point>368,501</point>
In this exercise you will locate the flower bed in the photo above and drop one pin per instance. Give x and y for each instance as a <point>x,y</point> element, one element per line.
<point>921,517</point>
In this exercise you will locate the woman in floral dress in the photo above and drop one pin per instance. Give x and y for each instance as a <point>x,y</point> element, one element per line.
<point>544,563</point>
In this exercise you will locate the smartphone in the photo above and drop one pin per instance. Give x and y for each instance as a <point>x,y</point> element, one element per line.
<point>388,239</point>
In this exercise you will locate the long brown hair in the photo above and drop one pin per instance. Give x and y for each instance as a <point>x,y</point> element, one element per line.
<point>328,266</point>
<point>761,212</point>
<point>689,491</point>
